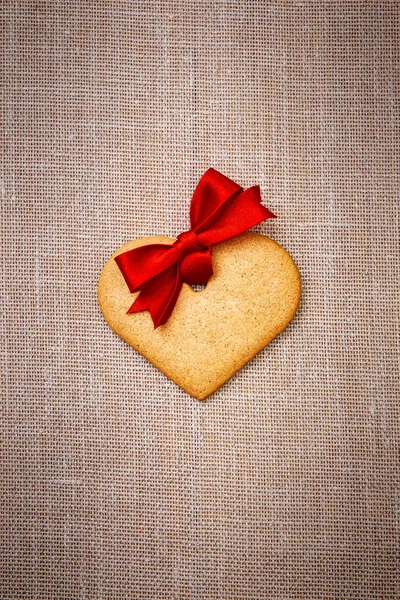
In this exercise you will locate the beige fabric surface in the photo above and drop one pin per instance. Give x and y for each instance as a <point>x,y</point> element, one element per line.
<point>116,484</point>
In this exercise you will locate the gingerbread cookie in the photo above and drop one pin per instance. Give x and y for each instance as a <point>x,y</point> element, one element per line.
<point>200,339</point>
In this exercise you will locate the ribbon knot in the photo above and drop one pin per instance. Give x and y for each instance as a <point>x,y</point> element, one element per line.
<point>188,242</point>
<point>220,209</point>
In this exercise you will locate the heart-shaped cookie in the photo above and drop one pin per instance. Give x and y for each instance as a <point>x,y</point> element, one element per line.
<point>251,297</point>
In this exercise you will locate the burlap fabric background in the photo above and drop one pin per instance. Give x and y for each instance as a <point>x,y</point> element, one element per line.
<point>116,483</point>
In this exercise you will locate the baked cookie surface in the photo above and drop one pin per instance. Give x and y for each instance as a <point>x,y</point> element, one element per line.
<point>252,296</point>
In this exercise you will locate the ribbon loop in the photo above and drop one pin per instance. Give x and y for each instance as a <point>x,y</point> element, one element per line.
<point>220,210</point>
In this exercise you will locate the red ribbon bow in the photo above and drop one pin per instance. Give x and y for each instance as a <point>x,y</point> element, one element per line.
<point>220,209</point>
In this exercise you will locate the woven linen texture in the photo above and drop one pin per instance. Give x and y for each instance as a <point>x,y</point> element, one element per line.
<point>116,484</point>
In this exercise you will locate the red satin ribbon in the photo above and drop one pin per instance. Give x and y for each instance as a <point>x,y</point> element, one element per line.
<point>220,209</point>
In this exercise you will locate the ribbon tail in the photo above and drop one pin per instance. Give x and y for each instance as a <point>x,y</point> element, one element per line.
<point>160,296</point>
